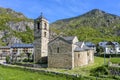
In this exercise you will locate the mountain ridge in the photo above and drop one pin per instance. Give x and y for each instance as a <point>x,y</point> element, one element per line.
<point>104,25</point>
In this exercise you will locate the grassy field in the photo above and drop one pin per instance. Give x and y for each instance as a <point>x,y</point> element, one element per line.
<point>19,74</point>
<point>115,60</point>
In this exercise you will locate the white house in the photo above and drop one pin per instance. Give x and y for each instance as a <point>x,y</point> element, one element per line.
<point>22,48</point>
<point>110,47</point>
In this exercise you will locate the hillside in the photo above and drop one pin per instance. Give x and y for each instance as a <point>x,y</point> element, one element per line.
<point>95,26</point>
<point>15,27</point>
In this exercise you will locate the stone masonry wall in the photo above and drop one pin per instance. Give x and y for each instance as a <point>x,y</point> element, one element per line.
<point>80,58</point>
<point>61,59</point>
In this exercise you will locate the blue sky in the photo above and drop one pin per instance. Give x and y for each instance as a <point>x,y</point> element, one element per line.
<point>59,9</point>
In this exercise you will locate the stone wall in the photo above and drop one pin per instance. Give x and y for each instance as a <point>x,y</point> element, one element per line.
<point>80,58</point>
<point>83,58</point>
<point>61,59</point>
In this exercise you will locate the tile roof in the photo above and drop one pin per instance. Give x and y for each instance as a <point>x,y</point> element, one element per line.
<point>69,38</point>
<point>4,46</point>
<point>17,45</point>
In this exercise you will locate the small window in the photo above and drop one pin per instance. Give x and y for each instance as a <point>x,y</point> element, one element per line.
<point>38,25</point>
<point>45,34</point>
<point>58,49</point>
<point>88,54</point>
<point>78,55</point>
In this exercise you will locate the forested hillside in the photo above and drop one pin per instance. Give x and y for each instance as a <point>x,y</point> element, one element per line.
<point>95,26</point>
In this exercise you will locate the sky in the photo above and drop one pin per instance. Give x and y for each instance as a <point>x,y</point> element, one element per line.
<point>59,9</point>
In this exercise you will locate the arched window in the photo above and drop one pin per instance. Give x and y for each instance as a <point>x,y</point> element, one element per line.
<point>45,26</point>
<point>38,25</point>
<point>45,34</point>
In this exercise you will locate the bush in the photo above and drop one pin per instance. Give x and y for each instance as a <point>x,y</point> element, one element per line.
<point>7,59</point>
<point>26,60</point>
<point>102,70</point>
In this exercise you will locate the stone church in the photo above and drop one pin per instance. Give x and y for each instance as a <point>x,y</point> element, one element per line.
<point>61,52</point>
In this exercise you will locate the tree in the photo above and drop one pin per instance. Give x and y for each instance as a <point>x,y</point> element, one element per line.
<point>99,49</point>
<point>28,56</point>
<point>21,56</point>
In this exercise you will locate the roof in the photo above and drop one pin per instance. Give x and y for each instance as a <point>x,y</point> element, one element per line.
<point>79,44</point>
<point>41,17</point>
<point>4,46</point>
<point>104,44</point>
<point>78,49</point>
<point>61,38</point>
<point>17,45</point>
<point>110,43</point>
<point>89,44</point>
<point>69,38</point>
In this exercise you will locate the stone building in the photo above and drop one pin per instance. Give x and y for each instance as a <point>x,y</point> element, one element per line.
<point>41,39</point>
<point>67,52</point>
<point>61,52</point>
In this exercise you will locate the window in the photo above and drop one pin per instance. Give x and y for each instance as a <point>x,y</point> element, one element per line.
<point>38,25</point>
<point>45,34</point>
<point>78,55</point>
<point>58,50</point>
<point>45,26</point>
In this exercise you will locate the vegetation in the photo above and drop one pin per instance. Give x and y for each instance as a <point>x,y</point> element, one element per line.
<point>94,26</point>
<point>115,60</point>
<point>91,72</point>
<point>20,74</point>
<point>8,15</point>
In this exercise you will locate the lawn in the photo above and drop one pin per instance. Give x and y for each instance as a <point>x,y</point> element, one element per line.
<point>20,74</point>
<point>115,60</point>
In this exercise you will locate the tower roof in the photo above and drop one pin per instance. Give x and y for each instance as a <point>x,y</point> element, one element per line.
<point>41,16</point>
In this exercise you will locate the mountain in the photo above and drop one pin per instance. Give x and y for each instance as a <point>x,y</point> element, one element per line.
<point>15,27</point>
<point>95,26</point>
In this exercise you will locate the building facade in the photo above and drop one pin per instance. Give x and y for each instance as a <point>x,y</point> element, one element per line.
<point>67,52</point>
<point>110,47</point>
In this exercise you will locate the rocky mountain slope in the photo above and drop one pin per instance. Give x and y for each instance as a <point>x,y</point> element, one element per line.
<point>15,27</point>
<point>95,26</point>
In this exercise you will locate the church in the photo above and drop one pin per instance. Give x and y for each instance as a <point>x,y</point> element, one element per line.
<point>61,52</point>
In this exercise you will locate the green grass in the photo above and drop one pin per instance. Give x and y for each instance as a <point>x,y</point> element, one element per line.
<point>21,74</point>
<point>115,60</point>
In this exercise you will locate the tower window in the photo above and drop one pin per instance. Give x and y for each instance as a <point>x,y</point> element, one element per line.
<point>45,34</point>
<point>38,25</point>
<point>45,26</point>
<point>58,49</point>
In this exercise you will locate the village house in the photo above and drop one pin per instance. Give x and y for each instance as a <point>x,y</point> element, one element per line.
<point>61,52</point>
<point>110,47</point>
<point>4,50</point>
<point>16,48</point>
<point>19,48</point>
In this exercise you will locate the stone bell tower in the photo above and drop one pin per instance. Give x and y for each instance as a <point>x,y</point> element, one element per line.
<point>41,39</point>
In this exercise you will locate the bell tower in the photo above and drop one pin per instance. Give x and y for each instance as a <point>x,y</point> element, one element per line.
<point>41,39</point>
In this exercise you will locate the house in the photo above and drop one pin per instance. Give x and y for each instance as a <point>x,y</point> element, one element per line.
<point>18,48</point>
<point>68,52</point>
<point>110,47</point>
<point>91,45</point>
<point>5,50</point>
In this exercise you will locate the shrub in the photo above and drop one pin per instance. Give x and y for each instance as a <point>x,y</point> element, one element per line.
<point>7,59</point>
<point>102,70</point>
